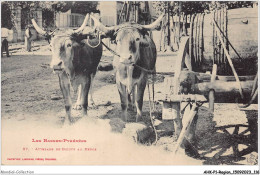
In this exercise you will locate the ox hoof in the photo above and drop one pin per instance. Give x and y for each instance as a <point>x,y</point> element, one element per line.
<point>77,107</point>
<point>93,106</point>
<point>67,122</point>
<point>131,108</point>
<point>84,113</point>
<point>124,118</point>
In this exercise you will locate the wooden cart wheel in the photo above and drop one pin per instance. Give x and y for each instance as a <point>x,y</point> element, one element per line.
<point>183,60</point>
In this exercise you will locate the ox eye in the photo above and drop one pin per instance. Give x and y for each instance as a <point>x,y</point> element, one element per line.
<point>68,45</point>
<point>113,42</point>
<point>137,39</point>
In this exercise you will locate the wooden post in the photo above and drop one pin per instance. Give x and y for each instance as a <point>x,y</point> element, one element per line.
<point>178,67</point>
<point>168,26</point>
<point>136,12</point>
<point>186,126</point>
<point>179,22</point>
<point>229,60</point>
<point>120,16</point>
<point>212,91</point>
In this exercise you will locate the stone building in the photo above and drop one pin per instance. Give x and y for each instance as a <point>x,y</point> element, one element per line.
<point>19,32</point>
<point>61,20</point>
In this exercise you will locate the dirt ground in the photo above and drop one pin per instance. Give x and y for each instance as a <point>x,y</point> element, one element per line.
<point>229,136</point>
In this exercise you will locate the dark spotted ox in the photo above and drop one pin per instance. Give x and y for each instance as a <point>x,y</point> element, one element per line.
<point>75,57</point>
<point>135,55</point>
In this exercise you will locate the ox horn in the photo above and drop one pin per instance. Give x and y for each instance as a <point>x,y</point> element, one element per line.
<point>53,31</point>
<point>99,26</point>
<point>37,28</point>
<point>83,25</point>
<point>155,24</point>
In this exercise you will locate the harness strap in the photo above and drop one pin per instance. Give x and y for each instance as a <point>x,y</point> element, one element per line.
<point>113,52</point>
<point>146,70</point>
<point>99,41</point>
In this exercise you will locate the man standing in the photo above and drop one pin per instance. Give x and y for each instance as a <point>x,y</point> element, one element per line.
<point>4,35</point>
<point>28,39</point>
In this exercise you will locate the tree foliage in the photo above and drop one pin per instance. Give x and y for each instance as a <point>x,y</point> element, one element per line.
<point>6,15</point>
<point>48,8</point>
<point>191,7</point>
<point>186,7</point>
<point>84,7</point>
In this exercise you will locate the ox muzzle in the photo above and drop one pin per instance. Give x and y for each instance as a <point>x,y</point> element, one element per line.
<point>57,67</point>
<point>127,60</point>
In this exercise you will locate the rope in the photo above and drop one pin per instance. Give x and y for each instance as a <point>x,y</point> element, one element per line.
<point>153,80</point>
<point>113,52</point>
<point>144,69</point>
<point>99,38</point>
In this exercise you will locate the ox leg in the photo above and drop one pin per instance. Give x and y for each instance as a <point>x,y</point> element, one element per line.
<point>139,98</point>
<point>124,99</point>
<point>131,99</point>
<point>65,89</point>
<point>85,91</point>
<point>78,105</point>
<point>133,96</point>
<point>92,103</point>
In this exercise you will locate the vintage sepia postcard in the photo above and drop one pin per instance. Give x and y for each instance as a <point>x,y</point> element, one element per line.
<point>130,83</point>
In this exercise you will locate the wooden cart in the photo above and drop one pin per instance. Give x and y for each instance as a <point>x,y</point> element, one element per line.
<point>217,62</point>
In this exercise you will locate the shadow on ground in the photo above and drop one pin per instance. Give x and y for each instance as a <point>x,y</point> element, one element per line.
<point>229,144</point>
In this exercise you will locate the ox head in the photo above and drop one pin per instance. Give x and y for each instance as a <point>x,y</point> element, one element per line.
<point>129,38</point>
<point>64,43</point>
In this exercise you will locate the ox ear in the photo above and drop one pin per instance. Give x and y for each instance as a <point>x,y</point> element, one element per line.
<point>109,34</point>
